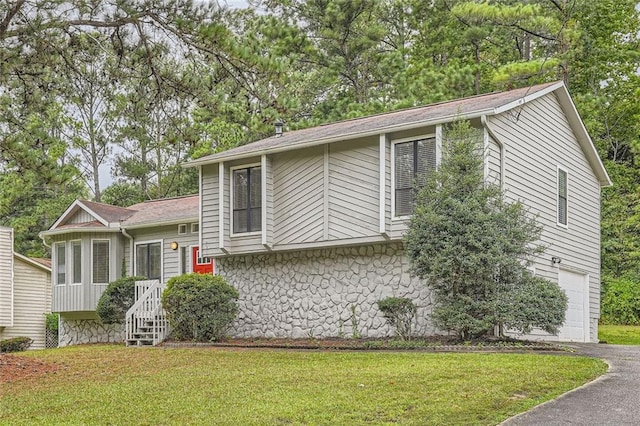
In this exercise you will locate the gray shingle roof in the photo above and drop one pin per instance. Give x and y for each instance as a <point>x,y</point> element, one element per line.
<point>378,123</point>
<point>163,211</point>
<point>108,212</point>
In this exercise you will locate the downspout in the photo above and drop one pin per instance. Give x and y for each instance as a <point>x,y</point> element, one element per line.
<point>126,234</point>
<point>486,125</point>
<point>44,240</point>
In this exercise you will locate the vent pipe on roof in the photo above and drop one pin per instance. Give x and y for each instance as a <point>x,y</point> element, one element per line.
<point>278,125</point>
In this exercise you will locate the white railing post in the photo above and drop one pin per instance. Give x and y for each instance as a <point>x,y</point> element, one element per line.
<point>147,308</point>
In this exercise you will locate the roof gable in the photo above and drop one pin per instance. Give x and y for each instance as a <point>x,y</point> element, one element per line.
<point>100,215</point>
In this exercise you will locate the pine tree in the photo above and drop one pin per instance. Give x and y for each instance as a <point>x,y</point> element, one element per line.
<point>472,249</point>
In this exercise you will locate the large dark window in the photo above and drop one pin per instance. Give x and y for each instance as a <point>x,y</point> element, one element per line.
<point>562,197</point>
<point>413,161</point>
<point>247,200</point>
<point>148,260</point>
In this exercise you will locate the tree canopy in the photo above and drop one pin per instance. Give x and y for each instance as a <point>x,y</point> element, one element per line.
<point>105,92</point>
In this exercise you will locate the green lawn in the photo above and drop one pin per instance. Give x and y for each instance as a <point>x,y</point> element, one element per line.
<point>116,385</point>
<point>619,334</point>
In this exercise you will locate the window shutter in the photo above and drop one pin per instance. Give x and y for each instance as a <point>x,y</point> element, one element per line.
<point>562,197</point>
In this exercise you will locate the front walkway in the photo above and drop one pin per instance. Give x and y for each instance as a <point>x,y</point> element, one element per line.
<point>612,399</point>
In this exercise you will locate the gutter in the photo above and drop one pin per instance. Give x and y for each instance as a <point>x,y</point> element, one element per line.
<point>126,234</point>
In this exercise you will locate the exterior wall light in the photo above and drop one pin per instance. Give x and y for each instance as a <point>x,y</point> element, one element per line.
<point>174,245</point>
<point>556,260</point>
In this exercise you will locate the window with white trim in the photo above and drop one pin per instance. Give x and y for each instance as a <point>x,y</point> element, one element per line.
<point>247,199</point>
<point>563,202</point>
<point>100,261</point>
<point>60,254</point>
<point>149,260</point>
<point>413,160</point>
<point>195,228</point>
<point>182,229</point>
<point>76,262</point>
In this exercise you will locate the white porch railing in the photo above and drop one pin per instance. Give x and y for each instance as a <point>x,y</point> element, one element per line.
<point>145,320</point>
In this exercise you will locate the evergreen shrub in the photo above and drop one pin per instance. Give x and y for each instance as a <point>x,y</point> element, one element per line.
<point>116,300</point>
<point>200,307</point>
<point>16,344</point>
<point>399,313</point>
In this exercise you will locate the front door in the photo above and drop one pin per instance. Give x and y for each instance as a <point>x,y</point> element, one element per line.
<point>201,265</point>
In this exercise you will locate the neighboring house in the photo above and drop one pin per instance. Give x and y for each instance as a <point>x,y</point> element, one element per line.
<point>93,244</point>
<point>25,293</point>
<point>308,225</point>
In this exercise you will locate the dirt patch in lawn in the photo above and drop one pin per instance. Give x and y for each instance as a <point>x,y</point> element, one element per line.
<point>15,367</point>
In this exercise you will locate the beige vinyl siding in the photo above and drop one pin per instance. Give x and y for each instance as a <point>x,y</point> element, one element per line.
<point>539,142</point>
<point>170,258</point>
<point>6,277</point>
<point>84,296</point>
<point>32,302</point>
<point>354,194</point>
<point>210,211</point>
<point>81,217</point>
<point>298,179</point>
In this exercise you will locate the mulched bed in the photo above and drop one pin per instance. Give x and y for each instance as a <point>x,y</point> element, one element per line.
<point>15,367</point>
<point>431,344</point>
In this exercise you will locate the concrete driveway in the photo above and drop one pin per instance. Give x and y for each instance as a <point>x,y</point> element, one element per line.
<point>612,399</point>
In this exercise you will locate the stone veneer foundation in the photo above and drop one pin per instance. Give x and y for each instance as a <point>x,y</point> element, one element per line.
<point>323,292</point>
<point>79,331</point>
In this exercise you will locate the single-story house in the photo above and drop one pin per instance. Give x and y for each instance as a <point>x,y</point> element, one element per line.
<point>308,224</point>
<point>25,293</point>
<point>94,244</point>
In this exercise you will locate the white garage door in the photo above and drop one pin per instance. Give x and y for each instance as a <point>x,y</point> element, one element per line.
<point>576,325</point>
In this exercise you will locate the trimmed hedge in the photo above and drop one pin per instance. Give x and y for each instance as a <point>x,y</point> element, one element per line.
<point>17,344</point>
<point>116,300</point>
<point>399,313</point>
<point>200,307</point>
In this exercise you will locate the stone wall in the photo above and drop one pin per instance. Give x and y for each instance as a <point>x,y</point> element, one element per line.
<point>323,292</point>
<point>79,331</point>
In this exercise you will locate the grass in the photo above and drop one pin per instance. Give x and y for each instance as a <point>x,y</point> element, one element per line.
<point>619,334</point>
<point>110,384</point>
